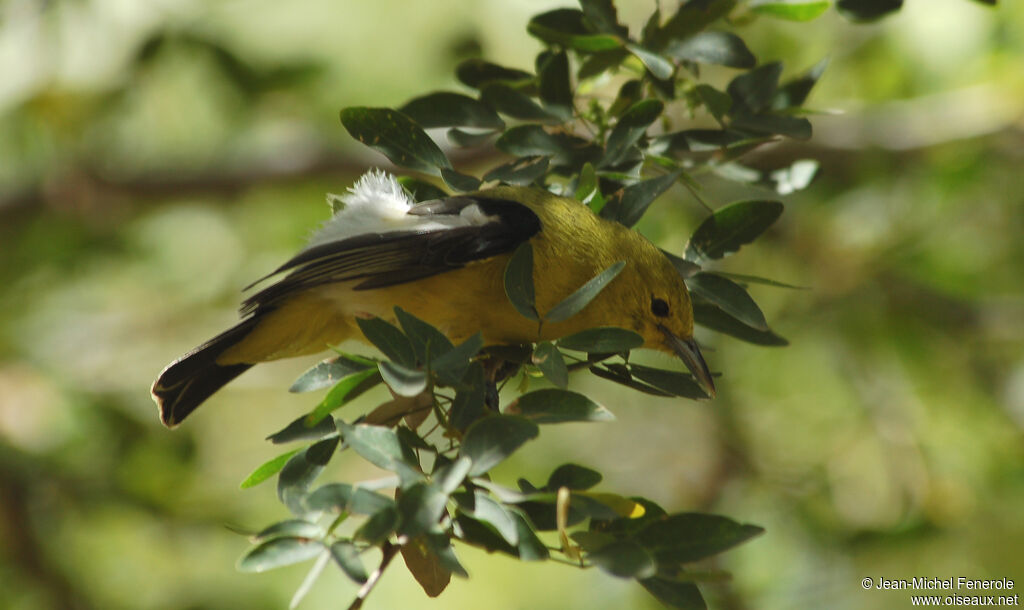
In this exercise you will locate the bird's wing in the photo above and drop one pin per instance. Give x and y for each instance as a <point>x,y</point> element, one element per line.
<point>456,231</point>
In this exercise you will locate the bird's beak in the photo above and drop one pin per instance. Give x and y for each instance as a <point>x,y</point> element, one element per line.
<point>688,351</point>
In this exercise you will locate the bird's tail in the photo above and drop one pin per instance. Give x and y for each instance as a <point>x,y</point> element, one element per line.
<point>191,379</point>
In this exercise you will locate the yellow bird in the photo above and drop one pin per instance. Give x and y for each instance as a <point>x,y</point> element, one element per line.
<point>444,262</point>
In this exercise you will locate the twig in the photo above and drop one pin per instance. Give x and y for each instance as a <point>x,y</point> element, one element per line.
<point>389,550</point>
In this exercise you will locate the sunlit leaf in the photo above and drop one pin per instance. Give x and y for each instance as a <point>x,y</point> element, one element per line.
<point>328,372</point>
<point>483,508</point>
<point>794,10</point>
<point>395,135</point>
<point>376,444</point>
<point>658,65</point>
<point>342,393</point>
<point>720,48</point>
<point>403,380</point>
<point>267,469</point>
<point>279,552</point>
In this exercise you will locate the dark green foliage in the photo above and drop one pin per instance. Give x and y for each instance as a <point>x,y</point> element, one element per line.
<point>445,429</point>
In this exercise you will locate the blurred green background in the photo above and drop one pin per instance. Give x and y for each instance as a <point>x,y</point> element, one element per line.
<point>157,156</point>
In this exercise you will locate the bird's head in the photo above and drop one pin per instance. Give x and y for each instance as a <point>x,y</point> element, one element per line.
<point>663,315</point>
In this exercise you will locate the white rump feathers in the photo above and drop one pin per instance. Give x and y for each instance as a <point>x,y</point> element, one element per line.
<point>377,203</point>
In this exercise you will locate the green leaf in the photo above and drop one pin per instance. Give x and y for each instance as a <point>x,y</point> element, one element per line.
<point>328,372</point>
<point>602,340</point>
<point>636,198</point>
<point>753,279</point>
<point>481,507</point>
<point>376,444</point>
<point>555,406</point>
<point>587,187</point>
<point>514,103</point>
<point>293,528</point>
<point>731,227</point>
<point>673,382</point>
<point>675,594</point>
<point>719,48</point>
<point>420,506</point>
<point>564,149</point>
<point>794,93</point>
<point>379,526</point>
<point>567,27</point>
<point>684,267</point>
<point>460,182</point>
<point>601,15</point>
<point>448,478</point>
<point>343,392</point>
<point>444,109</point>
<point>752,91</point>
<point>346,555</point>
<point>425,566</point>
<point>791,126</point>
<point>441,545</point>
<point>691,18</point>
<point>403,380</point>
<point>451,365</point>
<point>729,296</point>
<point>710,316</point>
<point>578,300</point>
<point>519,281</point>
<point>299,473</point>
<point>395,135</point>
<point>555,88</point>
<point>621,375</point>
<point>490,440</point>
<point>420,190</point>
<point>521,172</point>
<point>624,559</point>
<point>427,341</point>
<point>388,339</point>
<point>867,10</point>
<point>659,66</point>
<point>468,139</point>
<point>477,72</point>
<point>468,405</point>
<point>548,359</point>
<point>301,430</point>
<point>342,497</point>
<point>279,552</point>
<point>530,547</point>
<point>794,10</point>
<point>574,477</point>
<point>631,126</point>
<point>717,102</point>
<point>688,537</point>
<point>267,470</point>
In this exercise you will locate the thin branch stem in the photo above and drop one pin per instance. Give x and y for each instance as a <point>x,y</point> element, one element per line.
<point>389,550</point>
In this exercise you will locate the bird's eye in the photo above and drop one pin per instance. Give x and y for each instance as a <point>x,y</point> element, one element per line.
<point>659,307</point>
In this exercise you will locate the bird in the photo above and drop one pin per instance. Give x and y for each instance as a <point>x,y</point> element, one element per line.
<point>443,261</point>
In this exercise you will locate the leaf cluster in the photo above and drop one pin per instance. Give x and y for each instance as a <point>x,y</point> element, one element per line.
<point>444,430</point>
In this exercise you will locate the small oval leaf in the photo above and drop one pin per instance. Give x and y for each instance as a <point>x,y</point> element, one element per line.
<point>555,406</point>
<point>602,340</point>
<point>519,281</point>
<point>279,552</point>
<point>395,135</point>
<point>731,227</point>
<point>490,440</point>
